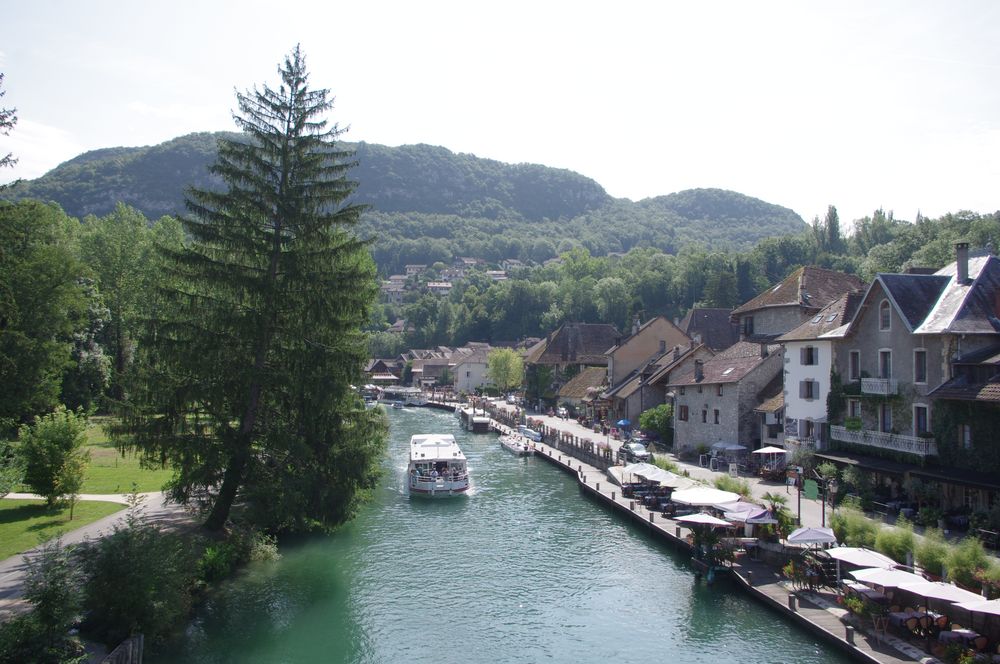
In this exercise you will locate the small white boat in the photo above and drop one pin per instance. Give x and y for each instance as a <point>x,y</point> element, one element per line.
<point>437,466</point>
<point>517,445</point>
<point>397,404</point>
<point>529,433</point>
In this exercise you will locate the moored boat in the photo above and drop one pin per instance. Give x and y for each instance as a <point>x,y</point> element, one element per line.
<point>437,466</point>
<point>517,444</point>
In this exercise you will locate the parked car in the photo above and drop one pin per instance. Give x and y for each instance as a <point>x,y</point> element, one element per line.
<point>562,413</point>
<point>633,453</point>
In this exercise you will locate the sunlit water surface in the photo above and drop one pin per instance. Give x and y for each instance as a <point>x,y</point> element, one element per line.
<point>524,569</point>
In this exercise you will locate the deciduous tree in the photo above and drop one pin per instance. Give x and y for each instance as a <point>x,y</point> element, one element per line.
<point>53,454</point>
<point>251,391</point>
<point>505,368</point>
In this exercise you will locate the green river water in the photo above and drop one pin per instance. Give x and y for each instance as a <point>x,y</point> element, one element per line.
<point>524,569</point>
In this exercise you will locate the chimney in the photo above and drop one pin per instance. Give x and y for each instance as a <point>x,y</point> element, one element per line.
<point>763,351</point>
<point>677,350</point>
<point>635,325</point>
<point>699,370</point>
<point>962,262</point>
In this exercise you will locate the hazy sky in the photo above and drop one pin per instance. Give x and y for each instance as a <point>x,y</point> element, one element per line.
<point>859,104</point>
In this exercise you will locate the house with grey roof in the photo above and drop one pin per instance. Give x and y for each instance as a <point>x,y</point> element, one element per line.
<point>918,365</point>
<point>713,327</point>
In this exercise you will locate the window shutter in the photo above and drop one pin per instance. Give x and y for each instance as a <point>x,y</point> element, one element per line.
<point>802,389</point>
<point>815,351</point>
<point>803,358</point>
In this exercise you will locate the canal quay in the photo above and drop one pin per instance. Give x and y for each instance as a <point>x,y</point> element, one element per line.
<point>586,455</point>
<point>527,568</point>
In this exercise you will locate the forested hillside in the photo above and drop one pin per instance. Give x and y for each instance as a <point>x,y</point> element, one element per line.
<point>429,204</point>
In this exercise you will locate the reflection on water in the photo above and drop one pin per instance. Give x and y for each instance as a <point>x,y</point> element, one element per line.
<point>521,570</point>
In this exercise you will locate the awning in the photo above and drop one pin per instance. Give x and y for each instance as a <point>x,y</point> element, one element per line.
<point>703,495</point>
<point>811,535</point>
<point>702,519</point>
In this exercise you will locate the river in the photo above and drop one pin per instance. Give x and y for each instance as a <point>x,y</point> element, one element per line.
<point>524,569</point>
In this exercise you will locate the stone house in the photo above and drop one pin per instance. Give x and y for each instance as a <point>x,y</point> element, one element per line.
<point>792,302</point>
<point>715,401</point>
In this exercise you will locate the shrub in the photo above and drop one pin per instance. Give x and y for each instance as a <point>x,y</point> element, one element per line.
<point>139,580</point>
<point>666,464</point>
<point>967,561</point>
<point>932,552</point>
<point>853,529</point>
<point>896,542</point>
<point>51,586</point>
<point>241,546</point>
<point>734,484</point>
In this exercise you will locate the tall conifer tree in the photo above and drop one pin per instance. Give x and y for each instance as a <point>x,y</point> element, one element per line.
<point>246,391</point>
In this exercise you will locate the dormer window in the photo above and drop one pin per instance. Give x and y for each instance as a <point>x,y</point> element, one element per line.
<point>748,326</point>
<point>884,319</point>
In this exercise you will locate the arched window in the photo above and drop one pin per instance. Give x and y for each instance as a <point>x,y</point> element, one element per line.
<point>884,320</point>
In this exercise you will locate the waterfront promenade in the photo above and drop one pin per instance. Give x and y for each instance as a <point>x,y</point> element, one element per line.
<point>762,580</point>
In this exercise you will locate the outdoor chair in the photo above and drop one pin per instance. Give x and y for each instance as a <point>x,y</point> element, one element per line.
<point>910,609</point>
<point>979,643</point>
<point>921,609</point>
<point>925,625</point>
<point>955,626</point>
<point>912,626</point>
<point>941,622</point>
<point>894,608</point>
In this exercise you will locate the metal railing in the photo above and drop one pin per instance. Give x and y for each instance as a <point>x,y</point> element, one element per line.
<point>883,386</point>
<point>886,441</point>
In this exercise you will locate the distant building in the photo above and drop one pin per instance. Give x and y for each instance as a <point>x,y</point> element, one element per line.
<point>559,356</point>
<point>412,270</point>
<point>497,275</point>
<point>439,287</point>
<point>392,293</point>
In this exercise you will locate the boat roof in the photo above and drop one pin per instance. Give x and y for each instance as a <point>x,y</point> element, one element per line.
<point>430,446</point>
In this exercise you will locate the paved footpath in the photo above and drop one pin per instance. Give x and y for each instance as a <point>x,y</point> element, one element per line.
<point>154,508</point>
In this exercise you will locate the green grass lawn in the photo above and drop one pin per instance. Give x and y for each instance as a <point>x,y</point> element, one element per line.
<point>26,523</point>
<point>110,471</point>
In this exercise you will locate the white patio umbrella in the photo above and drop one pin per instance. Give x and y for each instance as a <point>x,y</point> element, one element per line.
<point>939,590</point>
<point>861,557</point>
<point>887,578</point>
<point>702,519</point>
<point>811,535</point>
<point>703,495</point>
<point>770,449</point>
<point>989,607</point>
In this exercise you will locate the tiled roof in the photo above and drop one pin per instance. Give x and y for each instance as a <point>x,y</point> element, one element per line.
<point>714,326</point>
<point>578,385</point>
<point>809,287</point>
<point>729,366</point>
<point>574,343</point>
<point>774,404</point>
<point>831,317</point>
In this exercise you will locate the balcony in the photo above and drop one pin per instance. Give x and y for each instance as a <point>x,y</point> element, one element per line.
<point>881,386</point>
<point>886,441</point>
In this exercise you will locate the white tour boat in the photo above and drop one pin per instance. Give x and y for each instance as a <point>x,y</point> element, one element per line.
<point>437,466</point>
<point>517,444</point>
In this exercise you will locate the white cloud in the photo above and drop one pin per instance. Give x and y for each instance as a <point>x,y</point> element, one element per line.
<point>37,148</point>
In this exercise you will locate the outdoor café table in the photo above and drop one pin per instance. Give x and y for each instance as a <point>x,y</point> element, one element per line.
<point>966,636</point>
<point>864,591</point>
<point>898,618</point>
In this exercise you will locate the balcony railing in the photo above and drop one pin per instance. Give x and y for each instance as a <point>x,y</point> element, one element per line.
<point>886,441</point>
<point>884,386</point>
